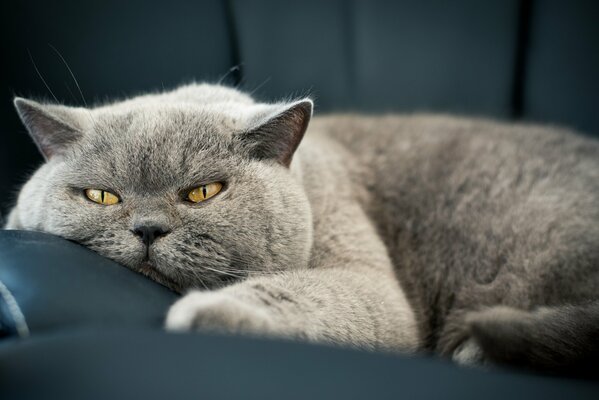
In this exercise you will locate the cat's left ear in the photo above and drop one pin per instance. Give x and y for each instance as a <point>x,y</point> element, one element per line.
<point>53,127</point>
<point>277,131</point>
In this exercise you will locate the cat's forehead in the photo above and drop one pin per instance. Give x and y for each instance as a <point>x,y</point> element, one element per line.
<point>154,121</point>
<point>159,147</point>
<point>163,130</point>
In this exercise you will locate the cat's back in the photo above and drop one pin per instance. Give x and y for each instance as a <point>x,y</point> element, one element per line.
<point>473,209</point>
<point>424,134</point>
<point>440,150</point>
<point>442,167</point>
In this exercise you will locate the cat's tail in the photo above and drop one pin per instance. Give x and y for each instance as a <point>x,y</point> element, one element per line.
<point>562,340</point>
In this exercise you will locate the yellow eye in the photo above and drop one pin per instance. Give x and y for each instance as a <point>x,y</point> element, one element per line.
<point>204,192</point>
<point>101,197</point>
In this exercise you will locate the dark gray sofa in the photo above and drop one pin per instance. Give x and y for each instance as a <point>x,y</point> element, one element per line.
<point>75,325</point>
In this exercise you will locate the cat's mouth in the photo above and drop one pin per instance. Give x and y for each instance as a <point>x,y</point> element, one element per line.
<point>146,268</point>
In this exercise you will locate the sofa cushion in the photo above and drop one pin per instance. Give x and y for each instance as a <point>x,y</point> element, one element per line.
<point>157,365</point>
<point>59,285</point>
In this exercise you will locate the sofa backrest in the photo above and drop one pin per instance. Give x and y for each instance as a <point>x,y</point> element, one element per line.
<point>507,59</point>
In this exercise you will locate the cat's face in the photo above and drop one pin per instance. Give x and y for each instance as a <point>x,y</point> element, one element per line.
<point>150,157</point>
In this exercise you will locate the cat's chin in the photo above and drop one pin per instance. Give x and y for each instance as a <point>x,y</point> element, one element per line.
<point>150,271</point>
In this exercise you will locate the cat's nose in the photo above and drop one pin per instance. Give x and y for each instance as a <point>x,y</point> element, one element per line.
<point>149,233</point>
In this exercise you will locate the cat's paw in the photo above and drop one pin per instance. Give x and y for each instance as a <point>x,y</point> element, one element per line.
<point>219,312</point>
<point>468,353</point>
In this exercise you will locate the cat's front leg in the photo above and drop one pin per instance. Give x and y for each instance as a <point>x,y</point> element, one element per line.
<point>337,306</point>
<point>220,311</point>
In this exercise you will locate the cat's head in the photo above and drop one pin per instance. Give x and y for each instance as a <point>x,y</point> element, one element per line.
<point>193,188</point>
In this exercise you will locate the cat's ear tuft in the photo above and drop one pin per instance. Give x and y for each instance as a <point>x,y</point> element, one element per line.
<point>278,131</point>
<point>52,127</point>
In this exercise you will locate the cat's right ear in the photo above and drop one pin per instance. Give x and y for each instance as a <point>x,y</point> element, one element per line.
<point>278,130</point>
<point>52,127</point>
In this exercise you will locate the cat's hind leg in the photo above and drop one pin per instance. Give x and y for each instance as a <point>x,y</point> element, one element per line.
<point>560,339</point>
<point>469,353</point>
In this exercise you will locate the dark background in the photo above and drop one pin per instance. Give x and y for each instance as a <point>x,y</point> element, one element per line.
<point>534,60</point>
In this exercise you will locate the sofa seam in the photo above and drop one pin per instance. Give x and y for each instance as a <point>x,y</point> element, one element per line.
<point>15,311</point>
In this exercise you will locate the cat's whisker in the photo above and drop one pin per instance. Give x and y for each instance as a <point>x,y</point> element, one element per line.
<point>195,275</point>
<point>70,91</point>
<point>229,72</point>
<point>260,85</point>
<point>41,76</point>
<point>222,272</point>
<point>76,82</point>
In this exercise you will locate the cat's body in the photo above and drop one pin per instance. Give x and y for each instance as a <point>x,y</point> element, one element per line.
<point>395,232</point>
<point>476,214</point>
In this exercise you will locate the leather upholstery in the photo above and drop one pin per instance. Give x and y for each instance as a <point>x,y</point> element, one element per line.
<point>562,74</point>
<point>382,55</point>
<point>94,333</point>
<point>58,285</point>
<point>134,364</point>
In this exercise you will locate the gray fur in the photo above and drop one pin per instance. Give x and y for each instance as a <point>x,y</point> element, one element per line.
<point>395,232</point>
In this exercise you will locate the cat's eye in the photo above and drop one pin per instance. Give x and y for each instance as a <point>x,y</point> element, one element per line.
<point>204,192</point>
<point>101,197</point>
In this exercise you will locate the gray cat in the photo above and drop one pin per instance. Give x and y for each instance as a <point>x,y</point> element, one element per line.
<point>473,239</point>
